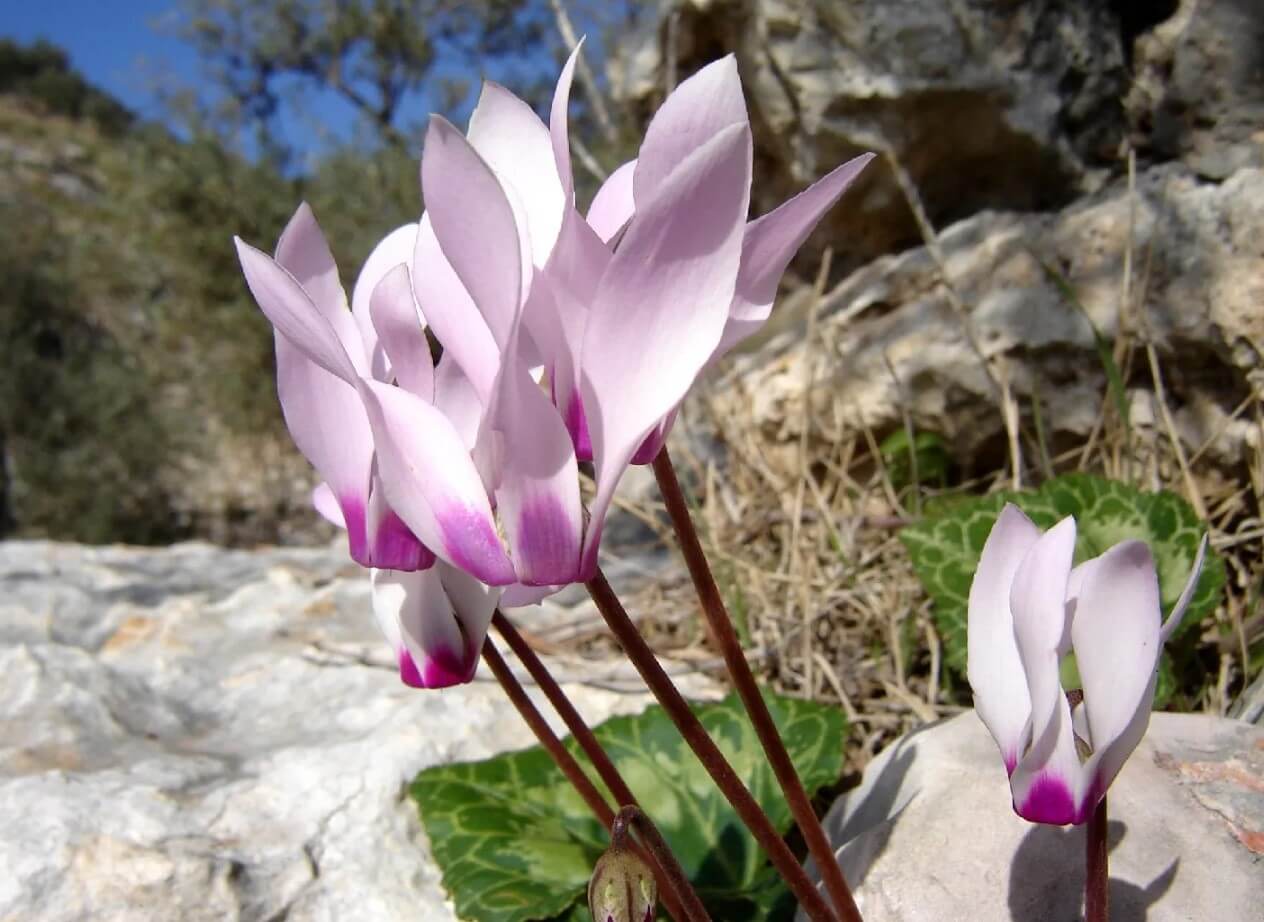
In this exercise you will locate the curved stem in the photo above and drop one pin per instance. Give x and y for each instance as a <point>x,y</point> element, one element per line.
<point>744,681</point>
<point>674,898</point>
<point>708,753</point>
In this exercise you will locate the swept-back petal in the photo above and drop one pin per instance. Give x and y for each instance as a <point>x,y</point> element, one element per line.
<point>1117,641</point>
<point>398,322</point>
<point>512,140</point>
<point>537,497</point>
<point>326,503</point>
<point>396,248</point>
<point>612,207</point>
<point>698,110</point>
<point>304,252</point>
<point>452,313</point>
<point>327,422</point>
<point>661,305</point>
<point>1038,601</point>
<point>475,226</point>
<point>1048,783</point>
<point>431,483</point>
<point>993,666</point>
<point>421,625</point>
<point>1191,584</point>
<point>559,125</point>
<point>293,314</point>
<point>456,398</point>
<point>771,242</point>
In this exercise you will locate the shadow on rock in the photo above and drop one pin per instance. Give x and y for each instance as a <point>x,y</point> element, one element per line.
<point>1046,881</point>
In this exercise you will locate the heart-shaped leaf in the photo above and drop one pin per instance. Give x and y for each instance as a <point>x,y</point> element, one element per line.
<point>516,843</point>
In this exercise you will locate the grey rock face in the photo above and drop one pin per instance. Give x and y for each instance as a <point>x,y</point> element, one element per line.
<point>201,734</point>
<point>986,103</point>
<point>930,834</point>
<point>1199,88</point>
<point>1197,289</point>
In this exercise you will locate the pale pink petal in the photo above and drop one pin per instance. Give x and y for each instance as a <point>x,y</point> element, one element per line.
<point>391,543</point>
<point>559,130</point>
<point>456,398</point>
<point>1038,601</point>
<point>661,305</point>
<point>1191,584</point>
<point>291,311</point>
<point>612,207</point>
<point>520,596</point>
<point>473,221</point>
<point>395,249</point>
<point>326,419</point>
<point>1048,784</point>
<point>537,498</point>
<point>431,483</point>
<point>421,625</point>
<point>325,503</point>
<point>993,666</point>
<point>474,604</point>
<point>510,137</point>
<point>304,253</point>
<point>697,111</point>
<point>398,323</point>
<point>1117,644</point>
<point>771,242</point>
<point>452,314</point>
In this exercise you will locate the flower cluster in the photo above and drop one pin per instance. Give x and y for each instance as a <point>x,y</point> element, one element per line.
<point>566,338</point>
<point>1028,609</point>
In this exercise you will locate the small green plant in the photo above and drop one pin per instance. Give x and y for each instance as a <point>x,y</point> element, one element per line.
<point>515,842</point>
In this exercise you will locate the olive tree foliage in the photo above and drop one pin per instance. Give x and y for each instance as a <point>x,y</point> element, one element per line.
<point>262,56</point>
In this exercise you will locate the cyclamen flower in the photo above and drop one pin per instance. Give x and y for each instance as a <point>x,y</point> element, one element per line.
<point>471,463</point>
<point>623,309</point>
<point>1028,609</point>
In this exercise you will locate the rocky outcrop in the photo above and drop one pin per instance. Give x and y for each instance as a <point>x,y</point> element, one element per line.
<point>986,103</point>
<point>1186,830</point>
<point>1198,92</point>
<point>201,734</point>
<point>1196,290</point>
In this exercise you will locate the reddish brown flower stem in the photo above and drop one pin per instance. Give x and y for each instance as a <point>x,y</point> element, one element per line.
<point>743,679</point>
<point>574,722</point>
<point>652,840</point>
<point>1096,874</point>
<point>668,886</point>
<point>708,753</point>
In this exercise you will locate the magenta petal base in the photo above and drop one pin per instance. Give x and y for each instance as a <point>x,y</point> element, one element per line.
<point>1049,801</point>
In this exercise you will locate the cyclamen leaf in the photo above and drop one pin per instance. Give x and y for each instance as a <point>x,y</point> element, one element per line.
<point>515,843</point>
<point>945,546</point>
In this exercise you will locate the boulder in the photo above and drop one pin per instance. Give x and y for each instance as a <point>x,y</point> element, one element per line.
<point>986,103</point>
<point>202,734</point>
<point>1197,286</point>
<point>930,834</point>
<point>1198,92</point>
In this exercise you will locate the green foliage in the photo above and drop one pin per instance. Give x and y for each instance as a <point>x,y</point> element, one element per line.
<point>927,455</point>
<point>41,73</point>
<point>945,547</point>
<point>515,842</point>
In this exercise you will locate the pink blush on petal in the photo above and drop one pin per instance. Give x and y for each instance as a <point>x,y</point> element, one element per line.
<point>552,544</point>
<point>408,673</point>
<point>395,547</point>
<point>357,537</point>
<point>1048,801</point>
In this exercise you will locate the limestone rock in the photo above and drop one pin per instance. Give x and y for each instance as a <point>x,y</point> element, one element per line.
<point>1198,283</point>
<point>1199,87</point>
<point>986,103</point>
<point>930,834</point>
<point>201,734</point>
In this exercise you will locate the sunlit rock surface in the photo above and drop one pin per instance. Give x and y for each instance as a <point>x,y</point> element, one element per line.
<point>201,734</point>
<point>931,835</point>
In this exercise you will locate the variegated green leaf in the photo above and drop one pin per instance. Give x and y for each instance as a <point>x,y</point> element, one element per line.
<point>515,842</point>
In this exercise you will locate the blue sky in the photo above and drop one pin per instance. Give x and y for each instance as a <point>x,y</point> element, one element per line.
<point>111,41</point>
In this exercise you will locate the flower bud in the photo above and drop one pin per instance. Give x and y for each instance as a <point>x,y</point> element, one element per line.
<point>622,888</point>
